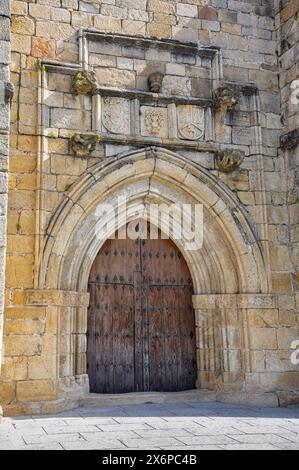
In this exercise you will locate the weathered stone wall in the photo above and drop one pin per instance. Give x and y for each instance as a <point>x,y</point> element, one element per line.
<point>45,326</point>
<point>287,23</point>
<point>4,143</point>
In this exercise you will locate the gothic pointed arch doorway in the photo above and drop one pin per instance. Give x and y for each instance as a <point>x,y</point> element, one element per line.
<point>141,322</point>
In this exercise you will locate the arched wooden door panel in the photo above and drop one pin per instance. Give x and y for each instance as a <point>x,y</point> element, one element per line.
<point>141,326</point>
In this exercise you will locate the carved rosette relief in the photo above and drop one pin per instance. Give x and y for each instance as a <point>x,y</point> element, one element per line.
<point>154,121</point>
<point>117,115</point>
<point>191,122</point>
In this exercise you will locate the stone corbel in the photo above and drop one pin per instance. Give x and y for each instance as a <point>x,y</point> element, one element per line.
<point>155,81</point>
<point>85,83</point>
<point>226,98</point>
<point>9,90</point>
<point>82,145</point>
<point>229,160</point>
<point>290,140</point>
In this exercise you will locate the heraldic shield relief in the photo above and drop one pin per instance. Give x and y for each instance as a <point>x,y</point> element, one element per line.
<point>191,122</point>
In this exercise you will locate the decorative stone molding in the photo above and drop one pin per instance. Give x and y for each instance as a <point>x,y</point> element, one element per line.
<point>227,97</point>
<point>82,145</point>
<point>9,90</point>
<point>57,298</point>
<point>155,81</point>
<point>290,140</point>
<point>229,160</point>
<point>85,83</point>
<point>210,302</point>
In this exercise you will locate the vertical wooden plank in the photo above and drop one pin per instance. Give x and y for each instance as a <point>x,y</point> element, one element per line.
<point>141,325</point>
<point>138,333</point>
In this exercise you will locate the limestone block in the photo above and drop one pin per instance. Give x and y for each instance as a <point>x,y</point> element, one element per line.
<point>22,25</point>
<point>49,344</point>
<point>286,336</point>
<point>42,367</point>
<point>5,7</point>
<point>22,345</point>
<point>14,368</point>
<point>70,119</point>
<point>134,28</point>
<point>7,392</point>
<point>21,43</point>
<point>184,9</point>
<point>24,326</point>
<point>43,48</point>
<point>263,338</point>
<point>177,86</point>
<point>161,7</point>
<point>159,30</point>
<point>116,78</point>
<point>107,23</point>
<point>4,29</point>
<point>4,52</point>
<point>36,390</point>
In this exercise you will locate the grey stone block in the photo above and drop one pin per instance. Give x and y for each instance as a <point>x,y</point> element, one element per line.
<point>5,8</point>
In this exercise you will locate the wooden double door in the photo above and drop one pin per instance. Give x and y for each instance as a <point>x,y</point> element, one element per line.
<point>141,325</point>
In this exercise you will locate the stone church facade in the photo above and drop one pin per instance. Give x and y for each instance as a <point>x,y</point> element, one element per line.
<point>192,101</point>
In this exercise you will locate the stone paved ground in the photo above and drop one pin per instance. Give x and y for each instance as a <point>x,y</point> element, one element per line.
<point>168,427</point>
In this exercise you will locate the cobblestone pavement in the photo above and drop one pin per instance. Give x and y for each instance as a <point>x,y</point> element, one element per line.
<point>193,426</point>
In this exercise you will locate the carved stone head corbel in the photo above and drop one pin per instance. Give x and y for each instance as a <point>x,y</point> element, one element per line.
<point>155,81</point>
<point>229,160</point>
<point>227,97</point>
<point>85,82</point>
<point>82,145</point>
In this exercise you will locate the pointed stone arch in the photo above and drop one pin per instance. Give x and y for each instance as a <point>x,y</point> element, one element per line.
<point>228,271</point>
<point>160,176</point>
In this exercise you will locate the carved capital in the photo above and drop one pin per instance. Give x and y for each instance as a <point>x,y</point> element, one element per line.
<point>155,81</point>
<point>229,160</point>
<point>9,90</point>
<point>85,83</point>
<point>227,97</point>
<point>82,145</point>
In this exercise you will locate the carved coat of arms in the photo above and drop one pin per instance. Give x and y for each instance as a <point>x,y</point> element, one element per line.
<point>154,121</point>
<point>191,122</point>
<point>117,115</point>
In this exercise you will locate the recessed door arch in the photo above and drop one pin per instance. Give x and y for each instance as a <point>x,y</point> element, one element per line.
<point>141,324</point>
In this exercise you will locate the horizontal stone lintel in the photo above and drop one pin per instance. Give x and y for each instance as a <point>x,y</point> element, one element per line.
<point>246,301</point>
<point>148,97</point>
<point>166,143</point>
<point>57,298</point>
<point>150,43</point>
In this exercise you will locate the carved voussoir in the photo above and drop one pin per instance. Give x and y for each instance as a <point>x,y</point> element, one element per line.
<point>85,83</point>
<point>229,160</point>
<point>227,97</point>
<point>82,145</point>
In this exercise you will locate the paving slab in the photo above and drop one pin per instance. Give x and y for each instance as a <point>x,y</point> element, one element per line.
<point>183,426</point>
